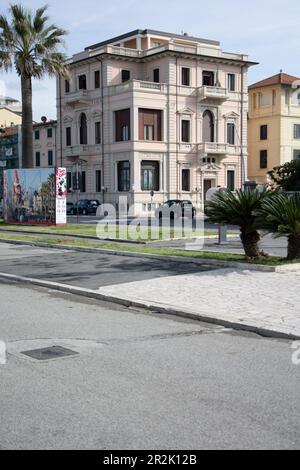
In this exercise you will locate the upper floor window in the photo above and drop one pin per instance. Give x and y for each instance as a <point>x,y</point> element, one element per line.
<point>150,124</point>
<point>185,130</point>
<point>67,86</point>
<point>296,131</point>
<point>83,129</point>
<point>125,75</point>
<point>156,77</point>
<point>82,82</point>
<point>97,133</point>
<point>208,129</point>
<point>230,133</point>
<point>265,99</point>
<point>287,96</point>
<point>68,137</point>
<point>264,132</point>
<point>37,135</point>
<point>185,76</point>
<point>274,97</point>
<point>97,79</point>
<point>254,101</point>
<point>231,81</point>
<point>122,125</point>
<point>263,159</point>
<point>49,133</point>
<point>208,78</point>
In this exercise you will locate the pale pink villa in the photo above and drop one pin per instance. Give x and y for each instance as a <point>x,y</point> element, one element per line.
<point>152,111</point>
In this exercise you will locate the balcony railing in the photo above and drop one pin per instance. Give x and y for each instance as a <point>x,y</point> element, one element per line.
<point>213,148</point>
<point>136,85</point>
<point>79,150</point>
<point>213,92</point>
<point>77,97</point>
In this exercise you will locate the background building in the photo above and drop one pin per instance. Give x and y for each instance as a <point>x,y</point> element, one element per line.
<point>10,112</point>
<point>273,125</point>
<point>154,111</point>
<point>44,147</point>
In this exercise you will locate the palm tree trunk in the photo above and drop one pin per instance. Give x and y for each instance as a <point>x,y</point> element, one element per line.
<point>293,247</point>
<point>251,244</point>
<point>27,126</point>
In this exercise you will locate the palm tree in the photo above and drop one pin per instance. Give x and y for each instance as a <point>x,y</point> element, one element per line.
<point>238,208</point>
<point>281,216</point>
<point>30,44</point>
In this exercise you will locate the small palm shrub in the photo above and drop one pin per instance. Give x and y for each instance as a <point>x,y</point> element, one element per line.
<point>227,208</point>
<point>280,215</point>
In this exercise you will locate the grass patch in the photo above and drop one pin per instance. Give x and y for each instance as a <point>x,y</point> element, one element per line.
<point>272,261</point>
<point>117,231</point>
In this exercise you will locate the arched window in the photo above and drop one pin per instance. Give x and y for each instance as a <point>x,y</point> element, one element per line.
<point>208,127</point>
<point>83,129</point>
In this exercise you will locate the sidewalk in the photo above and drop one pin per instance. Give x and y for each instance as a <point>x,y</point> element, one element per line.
<point>258,301</point>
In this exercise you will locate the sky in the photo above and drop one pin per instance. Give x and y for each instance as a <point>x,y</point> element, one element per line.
<point>267,30</point>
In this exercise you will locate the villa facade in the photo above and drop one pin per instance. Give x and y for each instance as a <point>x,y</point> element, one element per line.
<point>153,112</point>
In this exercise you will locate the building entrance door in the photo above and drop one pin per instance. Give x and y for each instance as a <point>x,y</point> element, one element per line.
<point>208,184</point>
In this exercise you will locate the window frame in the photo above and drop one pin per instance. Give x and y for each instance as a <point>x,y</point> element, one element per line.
<point>79,78</point>
<point>186,78</point>
<point>231,82</point>
<point>123,183</point>
<point>230,125</point>
<point>188,172</point>
<point>296,131</point>
<point>186,132</point>
<point>263,135</point>
<point>263,164</point>
<point>97,79</point>
<point>123,79</point>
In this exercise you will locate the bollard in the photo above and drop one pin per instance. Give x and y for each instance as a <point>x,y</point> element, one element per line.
<point>222,234</point>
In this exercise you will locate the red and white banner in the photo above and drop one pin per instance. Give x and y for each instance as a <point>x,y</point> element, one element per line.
<point>61,195</point>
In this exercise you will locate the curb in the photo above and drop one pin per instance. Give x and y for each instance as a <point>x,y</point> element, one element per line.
<point>149,306</point>
<point>293,267</point>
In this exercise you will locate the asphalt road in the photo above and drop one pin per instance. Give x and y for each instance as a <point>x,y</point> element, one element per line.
<point>88,270</point>
<point>139,380</point>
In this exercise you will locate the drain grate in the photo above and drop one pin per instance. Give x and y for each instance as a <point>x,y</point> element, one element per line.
<point>53,352</point>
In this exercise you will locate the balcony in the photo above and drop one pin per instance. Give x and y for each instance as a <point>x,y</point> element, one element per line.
<point>136,85</point>
<point>213,93</point>
<point>78,98</point>
<point>81,150</point>
<point>212,148</point>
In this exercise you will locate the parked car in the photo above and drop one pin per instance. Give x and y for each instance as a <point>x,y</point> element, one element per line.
<point>85,207</point>
<point>70,206</point>
<point>176,208</point>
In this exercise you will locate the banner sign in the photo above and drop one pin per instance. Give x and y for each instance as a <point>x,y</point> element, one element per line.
<point>61,195</point>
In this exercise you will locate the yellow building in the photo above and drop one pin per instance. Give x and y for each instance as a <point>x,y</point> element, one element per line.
<point>273,124</point>
<point>10,112</point>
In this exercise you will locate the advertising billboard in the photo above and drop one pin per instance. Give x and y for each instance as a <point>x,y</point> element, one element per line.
<point>34,196</point>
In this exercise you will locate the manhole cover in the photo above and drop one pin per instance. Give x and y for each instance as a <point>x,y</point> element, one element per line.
<point>53,352</point>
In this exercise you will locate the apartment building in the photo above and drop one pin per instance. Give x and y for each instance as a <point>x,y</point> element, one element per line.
<point>273,125</point>
<point>152,111</point>
<point>44,147</point>
<point>44,143</point>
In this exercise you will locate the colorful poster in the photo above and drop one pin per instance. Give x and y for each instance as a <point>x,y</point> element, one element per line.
<point>29,196</point>
<point>61,195</point>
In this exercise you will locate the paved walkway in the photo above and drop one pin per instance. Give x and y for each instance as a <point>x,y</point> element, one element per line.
<point>260,300</point>
<point>263,300</point>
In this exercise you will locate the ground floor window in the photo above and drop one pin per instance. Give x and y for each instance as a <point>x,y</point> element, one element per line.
<point>37,159</point>
<point>98,181</point>
<point>69,181</point>
<point>296,154</point>
<point>231,180</point>
<point>83,182</point>
<point>50,157</point>
<point>124,176</point>
<point>150,176</point>
<point>186,180</point>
